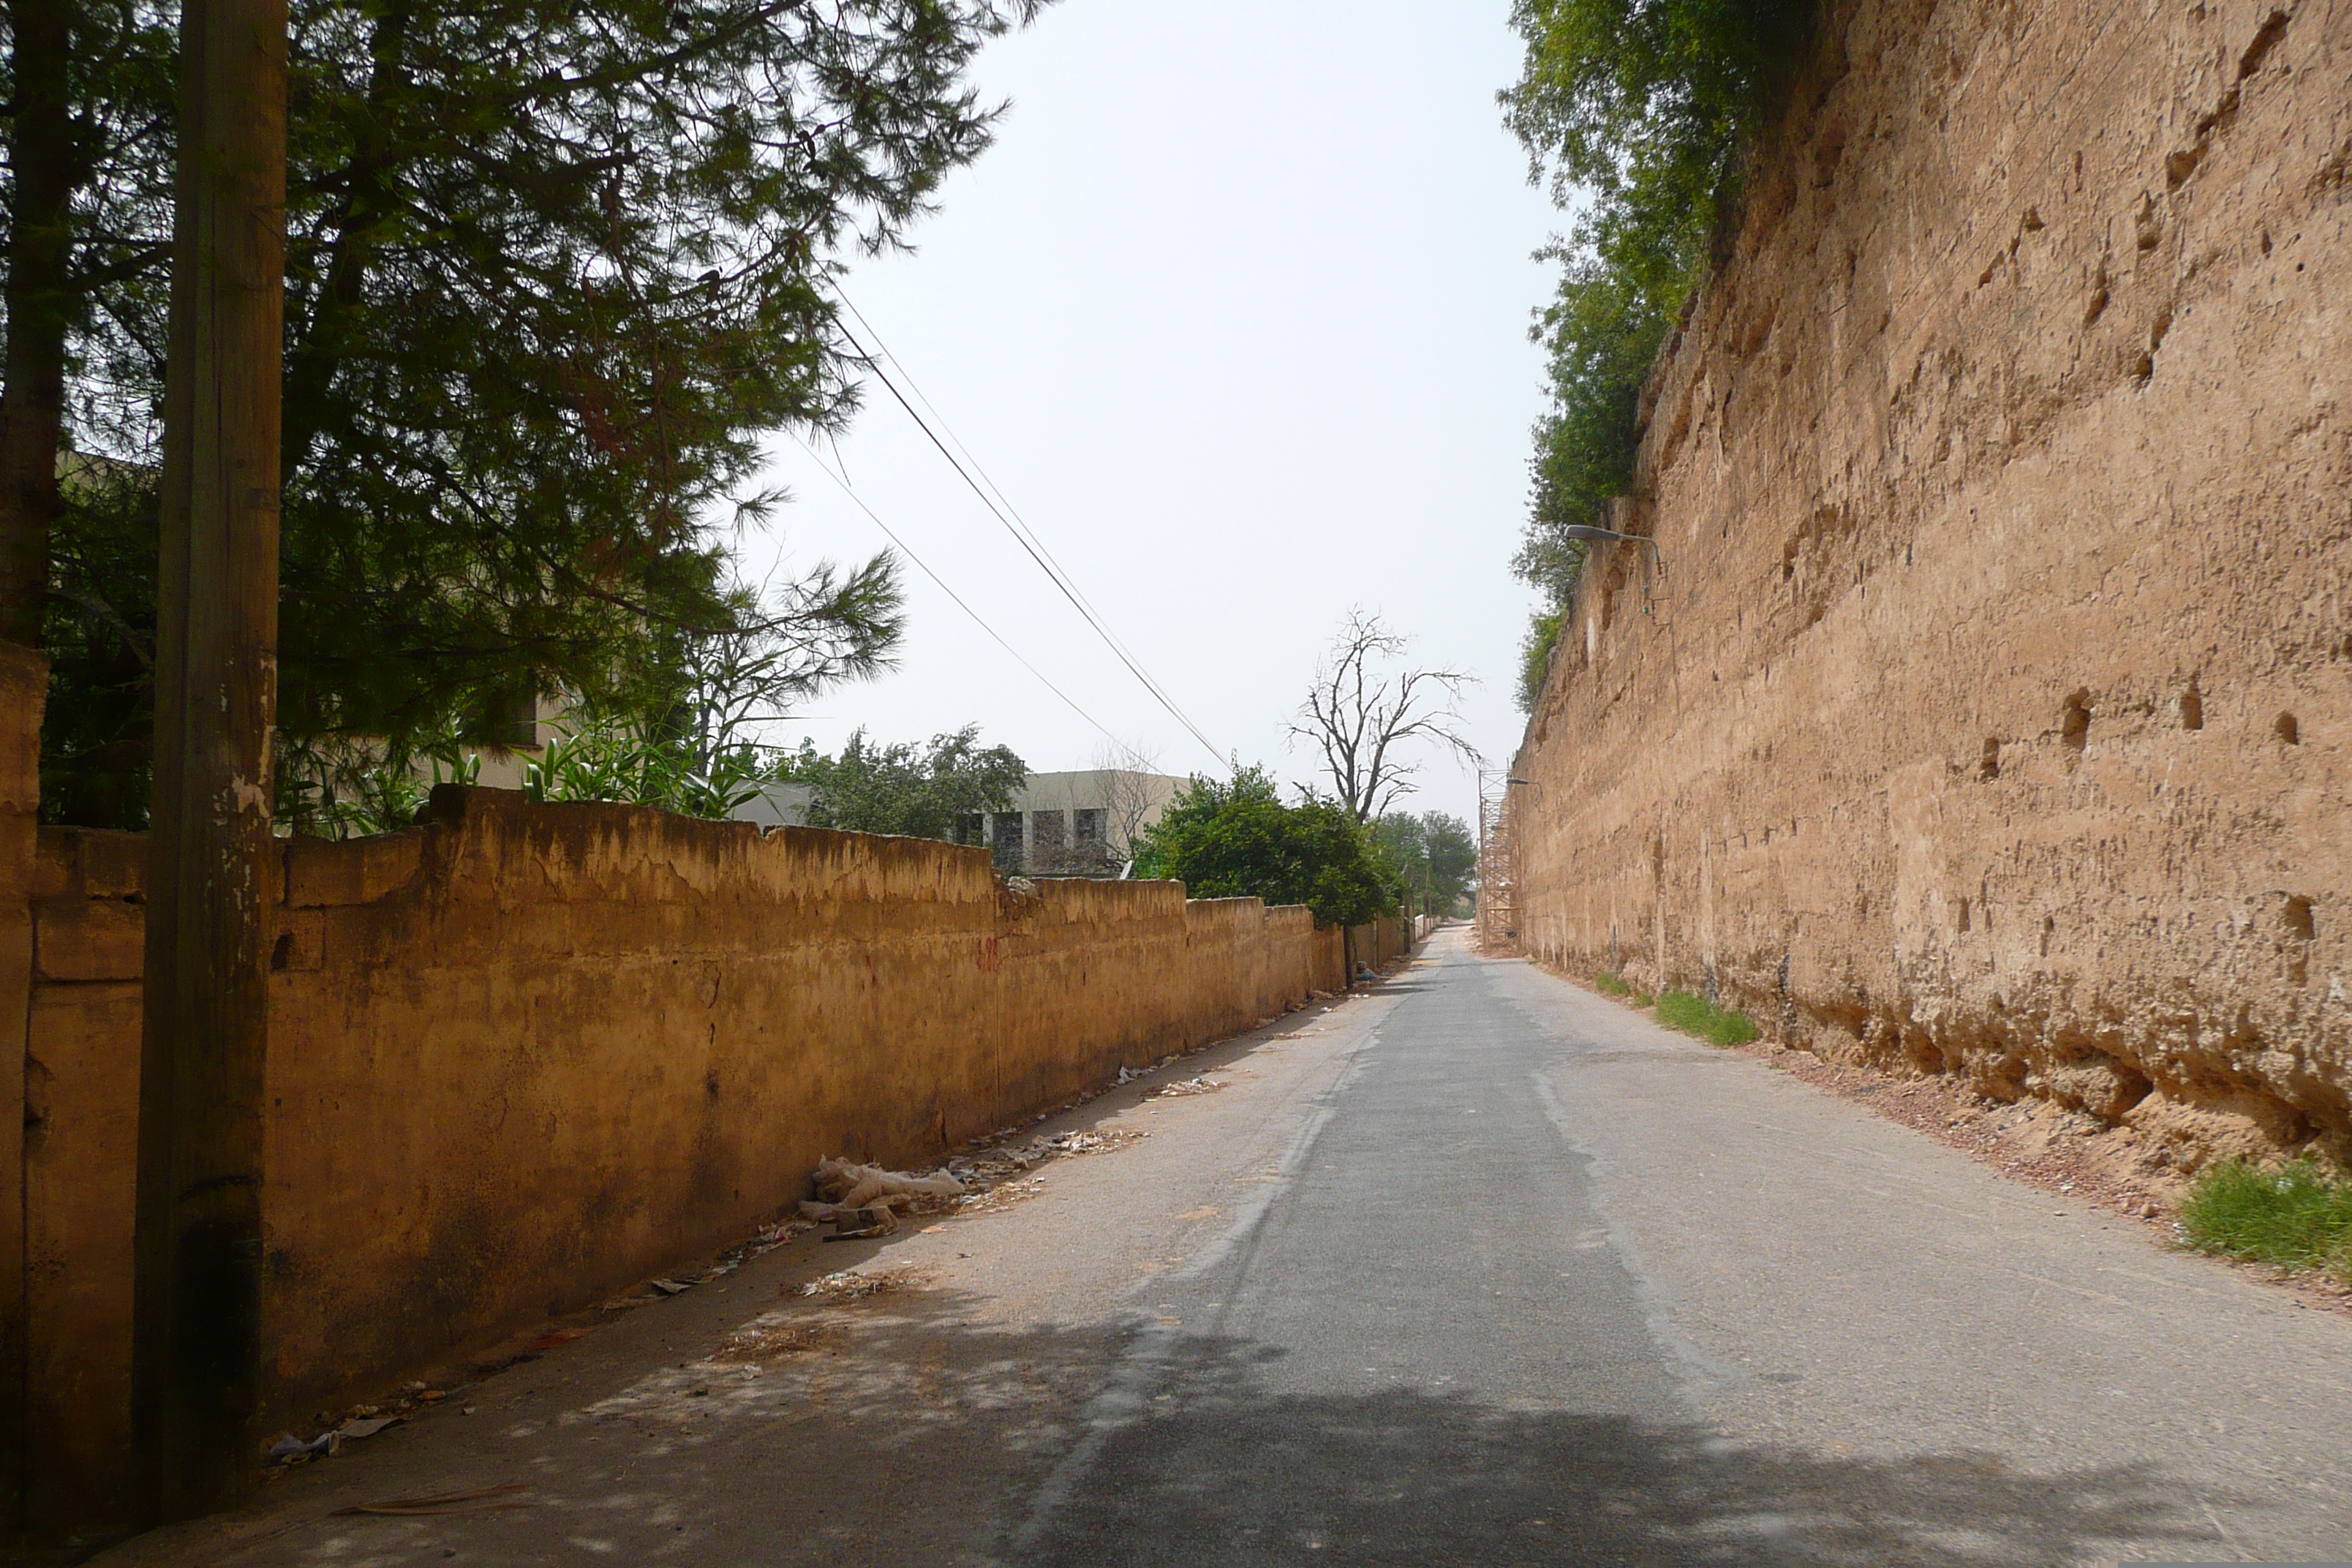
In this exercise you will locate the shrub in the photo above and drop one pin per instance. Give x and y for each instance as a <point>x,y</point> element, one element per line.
<point>1535,657</point>
<point>1609,985</point>
<point>1695,1015</point>
<point>2297,1216</point>
<point>1638,114</point>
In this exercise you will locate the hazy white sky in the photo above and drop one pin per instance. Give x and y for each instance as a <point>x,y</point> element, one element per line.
<point>1235,311</point>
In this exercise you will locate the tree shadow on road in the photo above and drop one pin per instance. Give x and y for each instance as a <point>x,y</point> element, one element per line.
<point>903,1431</point>
<point>1237,1471</point>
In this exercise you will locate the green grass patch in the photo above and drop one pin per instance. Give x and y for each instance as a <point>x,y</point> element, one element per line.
<point>1609,985</point>
<point>2297,1216</point>
<point>1695,1015</point>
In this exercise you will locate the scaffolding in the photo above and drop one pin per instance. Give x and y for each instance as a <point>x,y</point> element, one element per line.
<point>1498,872</point>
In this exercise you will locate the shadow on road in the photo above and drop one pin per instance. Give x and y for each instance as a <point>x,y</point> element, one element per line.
<point>1235,1471</point>
<point>897,1431</point>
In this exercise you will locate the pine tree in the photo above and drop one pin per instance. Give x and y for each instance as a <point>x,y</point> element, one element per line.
<point>553,272</point>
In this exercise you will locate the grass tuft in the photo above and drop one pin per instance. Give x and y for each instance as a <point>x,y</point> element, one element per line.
<point>1695,1015</point>
<point>2297,1216</point>
<point>1609,985</point>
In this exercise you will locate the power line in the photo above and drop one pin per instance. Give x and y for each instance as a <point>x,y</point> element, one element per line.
<point>1064,580</point>
<point>1031,550</point>
<point>1017,525</point>
<point>859,502</point>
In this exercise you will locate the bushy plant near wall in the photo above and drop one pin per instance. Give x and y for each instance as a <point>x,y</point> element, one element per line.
<point>1227,839</point>
<point>1637,114</point>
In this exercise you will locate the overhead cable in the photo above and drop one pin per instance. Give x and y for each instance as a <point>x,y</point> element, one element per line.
<point>1011,516</point>
<point>859,502</point>
<point>1033,552</point>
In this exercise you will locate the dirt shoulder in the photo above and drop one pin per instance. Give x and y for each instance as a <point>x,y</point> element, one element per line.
<point>2037,1141</point>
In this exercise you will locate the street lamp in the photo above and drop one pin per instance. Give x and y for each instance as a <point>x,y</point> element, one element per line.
<point>1590,534</point>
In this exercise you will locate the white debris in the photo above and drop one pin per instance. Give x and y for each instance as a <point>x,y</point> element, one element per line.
<point>843,1187</point>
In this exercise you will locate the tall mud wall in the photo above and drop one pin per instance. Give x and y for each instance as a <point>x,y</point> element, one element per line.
<point>1990,716</point>
<point>526,1057</point>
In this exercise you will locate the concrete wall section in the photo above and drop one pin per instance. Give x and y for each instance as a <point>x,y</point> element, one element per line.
<point>525,1057</point>
<point>1994,715</point>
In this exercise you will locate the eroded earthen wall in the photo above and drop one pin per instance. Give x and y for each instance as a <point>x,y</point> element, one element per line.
<point>525,1057</point>
<point>1991,715</point>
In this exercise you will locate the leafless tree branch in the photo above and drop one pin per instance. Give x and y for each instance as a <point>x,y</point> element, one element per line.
<point>1367,718</point>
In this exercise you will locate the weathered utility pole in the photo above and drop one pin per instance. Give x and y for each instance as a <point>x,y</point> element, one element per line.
<point>196,1325</point>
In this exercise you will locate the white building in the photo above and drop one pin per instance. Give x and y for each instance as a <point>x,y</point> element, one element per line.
<point>1081,824</point>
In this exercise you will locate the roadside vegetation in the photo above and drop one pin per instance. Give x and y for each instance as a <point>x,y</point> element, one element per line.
<point>1432,857</point>
<point>1638,114</point>
<point>1237,839</point>
<point>1695,1015</point>
<point>916,791</point>
<point>554,275</point>
<point>2298,1216</point>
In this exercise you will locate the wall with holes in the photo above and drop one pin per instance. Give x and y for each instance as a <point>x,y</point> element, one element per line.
<point>1991,715</point>
<point>525,1057</point>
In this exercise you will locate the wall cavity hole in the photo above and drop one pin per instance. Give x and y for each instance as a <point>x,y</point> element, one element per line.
<point>2074,724</point>
<point>2294,918</point>
<point>2287,729</point>
<point>2192,708</point>
<point>282,953</point>
<point>1988,768</point>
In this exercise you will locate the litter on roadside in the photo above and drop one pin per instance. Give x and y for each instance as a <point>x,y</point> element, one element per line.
<point>1187,1086</point>
<point>854,1285</point>
<point>288,1449</point>
<point>865,1196</point>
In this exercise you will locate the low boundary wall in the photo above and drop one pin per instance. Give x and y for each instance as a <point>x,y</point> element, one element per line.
<point>524,1056</point>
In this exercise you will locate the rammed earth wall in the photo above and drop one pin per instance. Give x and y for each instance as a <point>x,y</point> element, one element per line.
<point>1992,715</point>
<point>525,1057</point>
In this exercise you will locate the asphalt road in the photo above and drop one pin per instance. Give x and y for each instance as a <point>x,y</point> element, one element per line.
<point>1480,1269</point>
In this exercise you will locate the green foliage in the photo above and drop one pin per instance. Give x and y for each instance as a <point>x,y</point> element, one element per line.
<point>370,794</point>
<point>622,760</point>
<point>1695,1015</point>
<point>915,790</point>
<point>1640,109</point>
<point>1535,656</point>
<point>2297,1216</point>
<point>1609,985</point>
<point>1433,856</point>
<point>96,731</point>
<point>1237,839</point>
<point>555,273</point>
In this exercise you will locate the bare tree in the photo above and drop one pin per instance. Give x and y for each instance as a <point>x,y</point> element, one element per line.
<point>1367,716</point>
<point>1131,791</point>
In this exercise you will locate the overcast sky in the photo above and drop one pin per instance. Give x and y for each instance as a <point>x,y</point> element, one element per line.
<point>1234,312</point>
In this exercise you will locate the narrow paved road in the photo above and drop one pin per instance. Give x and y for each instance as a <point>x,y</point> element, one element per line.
<point>1478,1270</point>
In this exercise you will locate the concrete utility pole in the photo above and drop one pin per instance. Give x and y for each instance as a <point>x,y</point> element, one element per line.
<point>196,1324</point>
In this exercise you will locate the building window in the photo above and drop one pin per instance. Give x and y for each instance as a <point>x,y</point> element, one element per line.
<point>1048,834</point>
<point>1005,835</point>
<point>1089,822</point>
<point>970,827</point>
